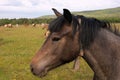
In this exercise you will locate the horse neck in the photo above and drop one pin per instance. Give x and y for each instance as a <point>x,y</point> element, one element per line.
<point>98,56</point>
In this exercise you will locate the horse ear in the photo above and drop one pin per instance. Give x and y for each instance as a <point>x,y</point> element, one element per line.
<point>56,12</point>
<point>67,14</point>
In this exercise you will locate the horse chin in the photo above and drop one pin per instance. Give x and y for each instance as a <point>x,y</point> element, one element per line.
<point>42,74</point>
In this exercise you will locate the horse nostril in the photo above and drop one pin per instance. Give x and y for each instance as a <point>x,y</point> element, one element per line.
<point>32,69</point>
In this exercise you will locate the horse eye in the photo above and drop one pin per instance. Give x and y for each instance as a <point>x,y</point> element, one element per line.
<point>56,39</point>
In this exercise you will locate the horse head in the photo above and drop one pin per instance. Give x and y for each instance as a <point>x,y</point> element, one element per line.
<point>60,47</point>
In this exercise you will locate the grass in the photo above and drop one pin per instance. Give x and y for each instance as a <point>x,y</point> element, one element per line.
<point>19,45</point>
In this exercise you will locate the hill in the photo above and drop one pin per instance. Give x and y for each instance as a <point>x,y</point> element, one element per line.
<point>113,12</point>
<point>109,13</point>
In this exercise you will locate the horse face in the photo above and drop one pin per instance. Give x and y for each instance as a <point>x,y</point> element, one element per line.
<point>59,48</point>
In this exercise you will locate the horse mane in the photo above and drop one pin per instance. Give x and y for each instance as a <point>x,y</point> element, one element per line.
<point>57,24</point>
<point>88,27</point>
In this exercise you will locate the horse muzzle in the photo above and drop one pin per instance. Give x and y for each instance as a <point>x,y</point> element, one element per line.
<point>40,72</point>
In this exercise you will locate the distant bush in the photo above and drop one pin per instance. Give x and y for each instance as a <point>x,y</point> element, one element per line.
<point>45,20</point>
<point>23,21</point>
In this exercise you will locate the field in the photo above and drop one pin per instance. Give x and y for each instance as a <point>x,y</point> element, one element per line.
<point>19,45</point>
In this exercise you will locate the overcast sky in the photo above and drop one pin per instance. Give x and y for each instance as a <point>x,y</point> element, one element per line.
<point>36,8</point>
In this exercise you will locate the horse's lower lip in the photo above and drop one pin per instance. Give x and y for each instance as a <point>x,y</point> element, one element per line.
<point>42,74</point>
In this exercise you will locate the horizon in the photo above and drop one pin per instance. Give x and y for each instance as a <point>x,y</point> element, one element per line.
<point>33,9</point>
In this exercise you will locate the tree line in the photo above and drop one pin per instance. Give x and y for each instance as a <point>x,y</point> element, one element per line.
<point>45,20</point>
<point>24,21</point>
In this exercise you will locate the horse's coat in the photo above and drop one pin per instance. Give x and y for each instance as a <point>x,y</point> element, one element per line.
<point>69,35</point>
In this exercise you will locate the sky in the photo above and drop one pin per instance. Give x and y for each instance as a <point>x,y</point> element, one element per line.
<point>37,8</point>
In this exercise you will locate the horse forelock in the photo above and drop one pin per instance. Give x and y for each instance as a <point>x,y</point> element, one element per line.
<point>57,24</point>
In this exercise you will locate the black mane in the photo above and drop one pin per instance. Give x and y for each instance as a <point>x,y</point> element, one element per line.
<point>88,28</point>
<point>57,24</point>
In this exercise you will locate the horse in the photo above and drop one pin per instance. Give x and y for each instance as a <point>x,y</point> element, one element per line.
<point>5,25</point>
<point>69,35</point>
<point>47,33</point>
<point>9,25</point>
<point>44,26</point>
<point>34,25</point>
<point>17,25</point>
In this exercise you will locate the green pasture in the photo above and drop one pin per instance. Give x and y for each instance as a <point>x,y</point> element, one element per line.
<point>19,45</point>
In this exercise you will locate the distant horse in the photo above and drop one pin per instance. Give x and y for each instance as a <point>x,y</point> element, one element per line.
<point>69,35</point>
<point>44,26</point>
<point>5,25</point>
<point>47,33</point>
<point>16,25</point>
<point>8,25</point>
<point>34,25</point>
